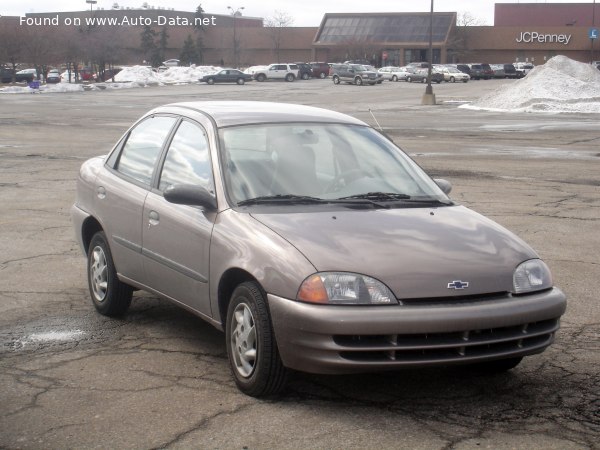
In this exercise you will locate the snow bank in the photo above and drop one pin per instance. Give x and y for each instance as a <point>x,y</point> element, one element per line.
<point>46,88</point>
<point>560,85</point>
<point>145,76</point>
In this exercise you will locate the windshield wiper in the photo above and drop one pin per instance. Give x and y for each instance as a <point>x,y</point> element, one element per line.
<point>281,198</point>
<point>378,196</point>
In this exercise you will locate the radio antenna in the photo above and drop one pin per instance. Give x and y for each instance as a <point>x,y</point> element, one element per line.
<point>375,119</point>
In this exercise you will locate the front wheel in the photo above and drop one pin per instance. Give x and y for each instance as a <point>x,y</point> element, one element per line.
<point>261,77</point>
<point>305,76</point>
<point>240,81</point>
<point>110,296</point>
<point>358,81</point>
<point>409,79</point>
<point>394,78</point>
<point>211,81</point>
<point>322,75</point>
<point>251,347</point>
<point>452,80</point>
<point>336,79</point>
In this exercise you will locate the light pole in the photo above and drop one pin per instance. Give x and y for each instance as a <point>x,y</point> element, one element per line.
<point>234,13</point>
<point>91,3</point>
<point>429,96</point>
<point>592,38</point>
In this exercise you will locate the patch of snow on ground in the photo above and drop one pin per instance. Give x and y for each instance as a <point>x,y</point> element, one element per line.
<point>560,85</point>
<point>46,88</point>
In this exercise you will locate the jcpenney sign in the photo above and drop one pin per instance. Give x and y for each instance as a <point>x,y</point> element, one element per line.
<point>529,37</point>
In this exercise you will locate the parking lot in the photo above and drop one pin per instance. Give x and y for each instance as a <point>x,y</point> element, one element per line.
<point>159,377</point>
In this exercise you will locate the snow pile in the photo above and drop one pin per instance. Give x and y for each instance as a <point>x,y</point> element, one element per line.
<point>560,85</point>
<point>46,88</point>
<point>145,76</point>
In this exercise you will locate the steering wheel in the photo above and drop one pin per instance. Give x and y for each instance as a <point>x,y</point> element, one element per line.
<point>345,176</point>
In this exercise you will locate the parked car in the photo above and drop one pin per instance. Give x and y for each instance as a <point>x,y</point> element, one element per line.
<point>419,65</point>
<point>464,68</point>
<point>481,71</point>
<point>355,74</point>
<point>311,240</point>
<point>227,76</point>
<point>452,75</point>
<point>287,72</point>
<point>420,75</point>
<point>6,75</point>
<point>86,74</point>
<point>523,68</point>
<point>171,63</point>
<point>27,75</point>
<point>320,69</point>
<point>392,73</point>
<point>498,70</point>
<point>53,76</point>
<point>510,71</point>
<point>362,62</point>
<point>304,70</point>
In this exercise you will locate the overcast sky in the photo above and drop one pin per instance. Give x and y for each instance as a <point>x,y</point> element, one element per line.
<point>304,12</point>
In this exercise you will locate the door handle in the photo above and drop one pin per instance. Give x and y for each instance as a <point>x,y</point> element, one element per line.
<point>153,218</point>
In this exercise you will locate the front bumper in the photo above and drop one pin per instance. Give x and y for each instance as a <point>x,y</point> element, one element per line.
<point>350,339</point>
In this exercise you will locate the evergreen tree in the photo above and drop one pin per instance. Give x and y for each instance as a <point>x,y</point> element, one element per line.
<point>199,30</point>
<point>148,45</point>
<point>188,55</point>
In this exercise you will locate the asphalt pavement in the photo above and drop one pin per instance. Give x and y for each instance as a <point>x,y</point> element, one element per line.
<point>159,377</point>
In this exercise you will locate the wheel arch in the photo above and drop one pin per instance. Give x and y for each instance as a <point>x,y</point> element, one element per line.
<point>89,228</point>
<point>231,279</point>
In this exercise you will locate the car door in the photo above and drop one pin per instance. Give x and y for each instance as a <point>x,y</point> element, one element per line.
<point>121,191</point>
<point>176,238</point>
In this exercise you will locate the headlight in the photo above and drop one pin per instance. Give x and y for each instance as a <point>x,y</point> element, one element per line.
<point>531,276</point>
<point>342,288</point>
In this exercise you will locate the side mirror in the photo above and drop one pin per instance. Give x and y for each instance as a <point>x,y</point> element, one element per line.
<point>444,185</point>
<point>190,195</point>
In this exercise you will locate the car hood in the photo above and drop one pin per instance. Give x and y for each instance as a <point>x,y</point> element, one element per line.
<point>416,252</point>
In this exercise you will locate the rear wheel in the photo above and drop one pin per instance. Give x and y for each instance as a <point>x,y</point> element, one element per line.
<point>358,81</point>
<point>409,79</point>
<point>211,81</point>
<point>394,78</point>
<point>110,296</point>
<point>305,76</point>
<point>336,79</point>
<point>251,347</point>
<point>322,75</point>
<point>452,80</point>
<point>289,77</point>
<point>261,77</point>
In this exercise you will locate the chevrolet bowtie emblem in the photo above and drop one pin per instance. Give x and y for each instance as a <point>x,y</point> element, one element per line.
<point>457,284</point>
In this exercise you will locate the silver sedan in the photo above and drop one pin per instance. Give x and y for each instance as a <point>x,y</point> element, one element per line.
<point>311,240</point>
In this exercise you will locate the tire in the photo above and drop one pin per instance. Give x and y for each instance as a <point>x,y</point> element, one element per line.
<point>358,81</point>
<point>261,77</point>
<point>464,81</point>
<point>290,77</point>
<point>409,79</point>
<point>210,81</point>
<point>394,78</point>
<point>452,80</point>
<point>497,366</point>
<point>109,295</point>
<point>251,347</point>
<point>322,75</point>
<point>336,79</point>
<point>240,81</point>
<point>305,76</point>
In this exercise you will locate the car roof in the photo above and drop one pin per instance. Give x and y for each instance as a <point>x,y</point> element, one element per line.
<point>232,113</point>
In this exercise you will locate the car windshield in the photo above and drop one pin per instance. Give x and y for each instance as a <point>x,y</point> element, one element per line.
<point>326,163</point>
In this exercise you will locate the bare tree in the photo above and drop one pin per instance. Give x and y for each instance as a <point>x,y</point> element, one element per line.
<point>13,39</point>
<point>458,44</point>
<point>276,25</point>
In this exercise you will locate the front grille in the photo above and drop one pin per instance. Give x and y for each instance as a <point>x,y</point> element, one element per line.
<point>449,347</point>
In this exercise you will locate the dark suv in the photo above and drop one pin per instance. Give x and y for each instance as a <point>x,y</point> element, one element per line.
<point>479,71</point>
<point>355,74</point>
<point>320,69</point>
<point>305,71</point>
